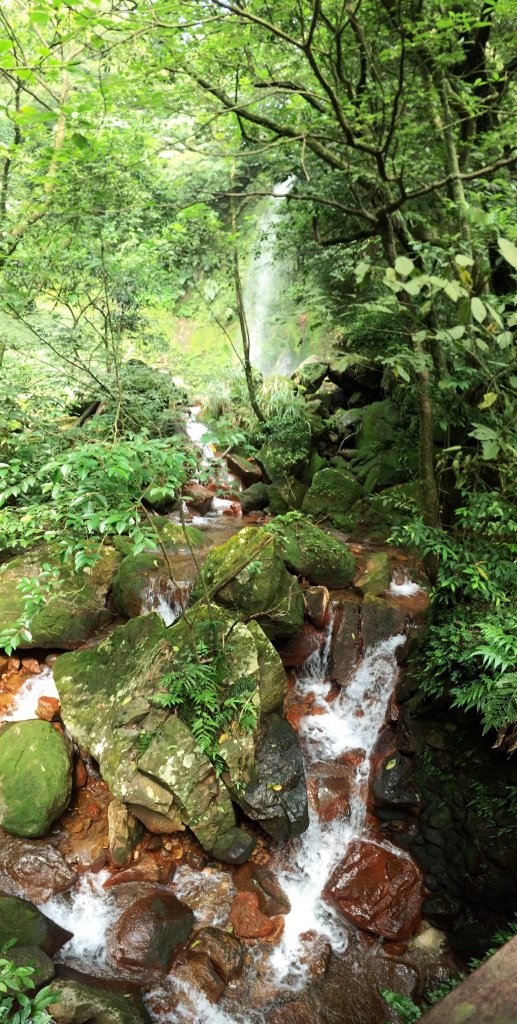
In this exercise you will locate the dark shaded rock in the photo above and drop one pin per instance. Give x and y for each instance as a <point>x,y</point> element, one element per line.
<point>276,795</point>
<point>246,470</point>
<point>234,847</point>
<point>310,374</point>
<point>33,956</point>
<point>377,890</point>
<point>21,920</point>
<point>254,498</point>
<point>295,651</point>
<point>345,651</point>
<point>199,973</point>
<point>32,869</point>
<point>199,497</point>
<point>35,777</point>
<point>79,1002</point>
<point>317,606</point>
<point>147,934</point>
<point>394,783</point>
<point>224,950</point>
<point>441,910</point>
<point>259,879</point>
<point>380,620</point>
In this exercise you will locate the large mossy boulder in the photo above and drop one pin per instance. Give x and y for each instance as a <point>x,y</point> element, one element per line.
<point>247,575</point>
<point>77,607</point>
<point>275,795</point>
<point>331,495</point>
<point>310,552</point>
<point>379,425</point>
<point>35,777</point>
<point>81,1002</point>
<point>22,921</point>
<point>310,374</point>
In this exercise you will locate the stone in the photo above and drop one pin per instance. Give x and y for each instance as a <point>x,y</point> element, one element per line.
<point>310,374</point>
<point>317,606</point>
<point>124,832</point>
<point>21,920</point>
<point>247,470</point>
<point>34,957</point>
<point>254,497</point>
<point>394,783</point>
<point>378,890</point>
<point>81,1002</point>
<point>272,677</point>
<point>48,709</point>
<point>295,651</point>
<point>345,650</point>
<point>288,448</point>
<point>140,576</point>
<point>224,950</point>
<point>376,576</point>
<point>296,1012</point>
<point>285,495</point>
<point>380,620</point>
<point>276,795</point>
<point>32,869</point>
<point>329,786</point>
<point>310,552</point>
<point>247,919</point>
<point>159,824</point>
<point>78,608</point>
<point>234,847</point>
<point>247,575</point>
<point>35,777</point>
<point>199,498</point>
<point>330,496</point>
<point>200,974</point>
<point>259,879</point>
<point>378,428</point>
<point>148,933</point>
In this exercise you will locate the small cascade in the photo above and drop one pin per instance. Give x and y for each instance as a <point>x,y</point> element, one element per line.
<point>27,697</point>
<point>196,432</point>
<point>264,283</point>
<point>163,598</point>
<point>89,912</point>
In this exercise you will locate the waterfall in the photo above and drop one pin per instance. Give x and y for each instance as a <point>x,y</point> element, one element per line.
<point>264,284</point>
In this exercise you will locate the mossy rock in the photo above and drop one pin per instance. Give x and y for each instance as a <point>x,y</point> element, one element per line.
<point>285,495</point>
<point>77,1002</point>
<point>379,426</point>
<point>310,552</point>
<point>22,921</point>
<point>272,677</point>
<point>287,450</point>
<point>35,777</point>
<point>310,374</point>
<point>315,463</point>
<point>330,496</point>
<point>247,575</point>
<point>78,608</point>
<point>376,577</point>
<point>254,497</point>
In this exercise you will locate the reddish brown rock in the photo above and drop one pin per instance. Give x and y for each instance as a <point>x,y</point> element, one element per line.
<point>315,954</point>
<point>80,774</point>
<point>317,606</point>
<point>248,920</point>
<point>148,933</point>
<point>295,651</point>
<point>297,1012</point>
<point>259,879</point>
<point>224,951</point>
<point>329,785</point>
<point>346,641</point>
<point>31,665</point>
<point>48,709</point>
<point>33,869</point>
<point>378,890</point>
<point>200,498</point>
<point>247,470</point>
<point>198,974</point>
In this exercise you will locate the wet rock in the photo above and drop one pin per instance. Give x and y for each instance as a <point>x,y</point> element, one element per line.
<point>394,784</point>
<point>376,576</point>
<point>48,709</point>
<point>276,795</point>
<point>247,919</point>
<point>66,621</point>
<point>358,1000</point>
<point>297,649</point>
<point>79,1002</point>
<point>380,620</point>
<point>247,470</point>
<point>317,606</point>
<point>21,920</point>
<point>345,651</point>
<point>377,890</point>
<point>310,552</point>
<point>329,785</point>
<point>199,974</point>
<point>442,910</point>
<point>199,498</point>
<point>296,1012</point>
<point>148,933</point>
<point>31,665</point>
<point>224,951</point>
<point>124,832</point>
<point>247,574</point>
<point>79,774</point>
<point>254,498</point>
<point>154,821</point>
<point>138,577</point>
<point>259,879</point>
<point>35,777</point>
<point>32,869</point>
<point>315,953</point>
<point>234,847</point>
<point>272,677</point>
<point>33,956</point>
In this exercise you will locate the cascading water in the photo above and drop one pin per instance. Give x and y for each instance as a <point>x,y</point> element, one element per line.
<point>26,700</point>
<point>162,597</point>
<point>264,283</point>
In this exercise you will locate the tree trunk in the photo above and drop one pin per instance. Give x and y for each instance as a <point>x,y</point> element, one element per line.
<point>245,335</point>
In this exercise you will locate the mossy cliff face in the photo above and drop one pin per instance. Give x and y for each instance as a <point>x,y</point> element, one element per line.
<point>76,611</point>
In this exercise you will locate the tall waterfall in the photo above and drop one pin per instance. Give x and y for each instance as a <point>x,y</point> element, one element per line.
<point>264,285</point>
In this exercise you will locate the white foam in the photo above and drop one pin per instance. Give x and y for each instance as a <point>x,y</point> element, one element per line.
<point>405,589</point>
<point>88,911</point>
<point>27,697</point>
<point>159,598</point>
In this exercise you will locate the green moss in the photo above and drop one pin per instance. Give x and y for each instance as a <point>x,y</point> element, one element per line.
<point>310,552</point>
<point>35,777</point>
<point>331,495</point>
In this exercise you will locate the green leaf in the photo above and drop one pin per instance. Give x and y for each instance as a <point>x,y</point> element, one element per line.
<point>478,308</point>
<point>404,266</point>
<point>463,261</point>
<point>508,251</point>
<point>488,399</point>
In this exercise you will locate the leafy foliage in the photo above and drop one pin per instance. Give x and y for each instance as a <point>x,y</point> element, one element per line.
<point>17,1003</point>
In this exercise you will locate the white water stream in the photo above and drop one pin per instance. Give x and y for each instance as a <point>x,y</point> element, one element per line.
<point>350,722</point>
<point>27,697</point>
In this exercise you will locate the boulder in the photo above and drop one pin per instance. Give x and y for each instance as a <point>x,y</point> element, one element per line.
<point>317,606</point>
<point>199,497</point>
<point>224,951</point>
<point>247,574</point>
<point>35,777</point>
<point>234,847</point>
<point>34,957</point>
<point>345,651</point>
<point>148,933</point>
<point>330,496</point>
<point>276,796</point>
<point>272,900</point>
<point>144,579</point>
<point>379,426</point>
<point>254,497</point>
<point>124,832</point>
<point>288,449</point>
<point>376,576</point>
<point>246,470</point>
<point>81,1002</point>
<point>285,494</point>
<point>32,869</point>
<point>198,975</point>
<point>394,783</point>
<point>310,374</point>
<point>22,921</point>
<point>78,608</point>
<point>329,785</point>
<point>247,919</point>
<point>272,677</point>
<point>381,619</point>
<point>296,649</point>
<point>310,552</point>
<point>377,889</point>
